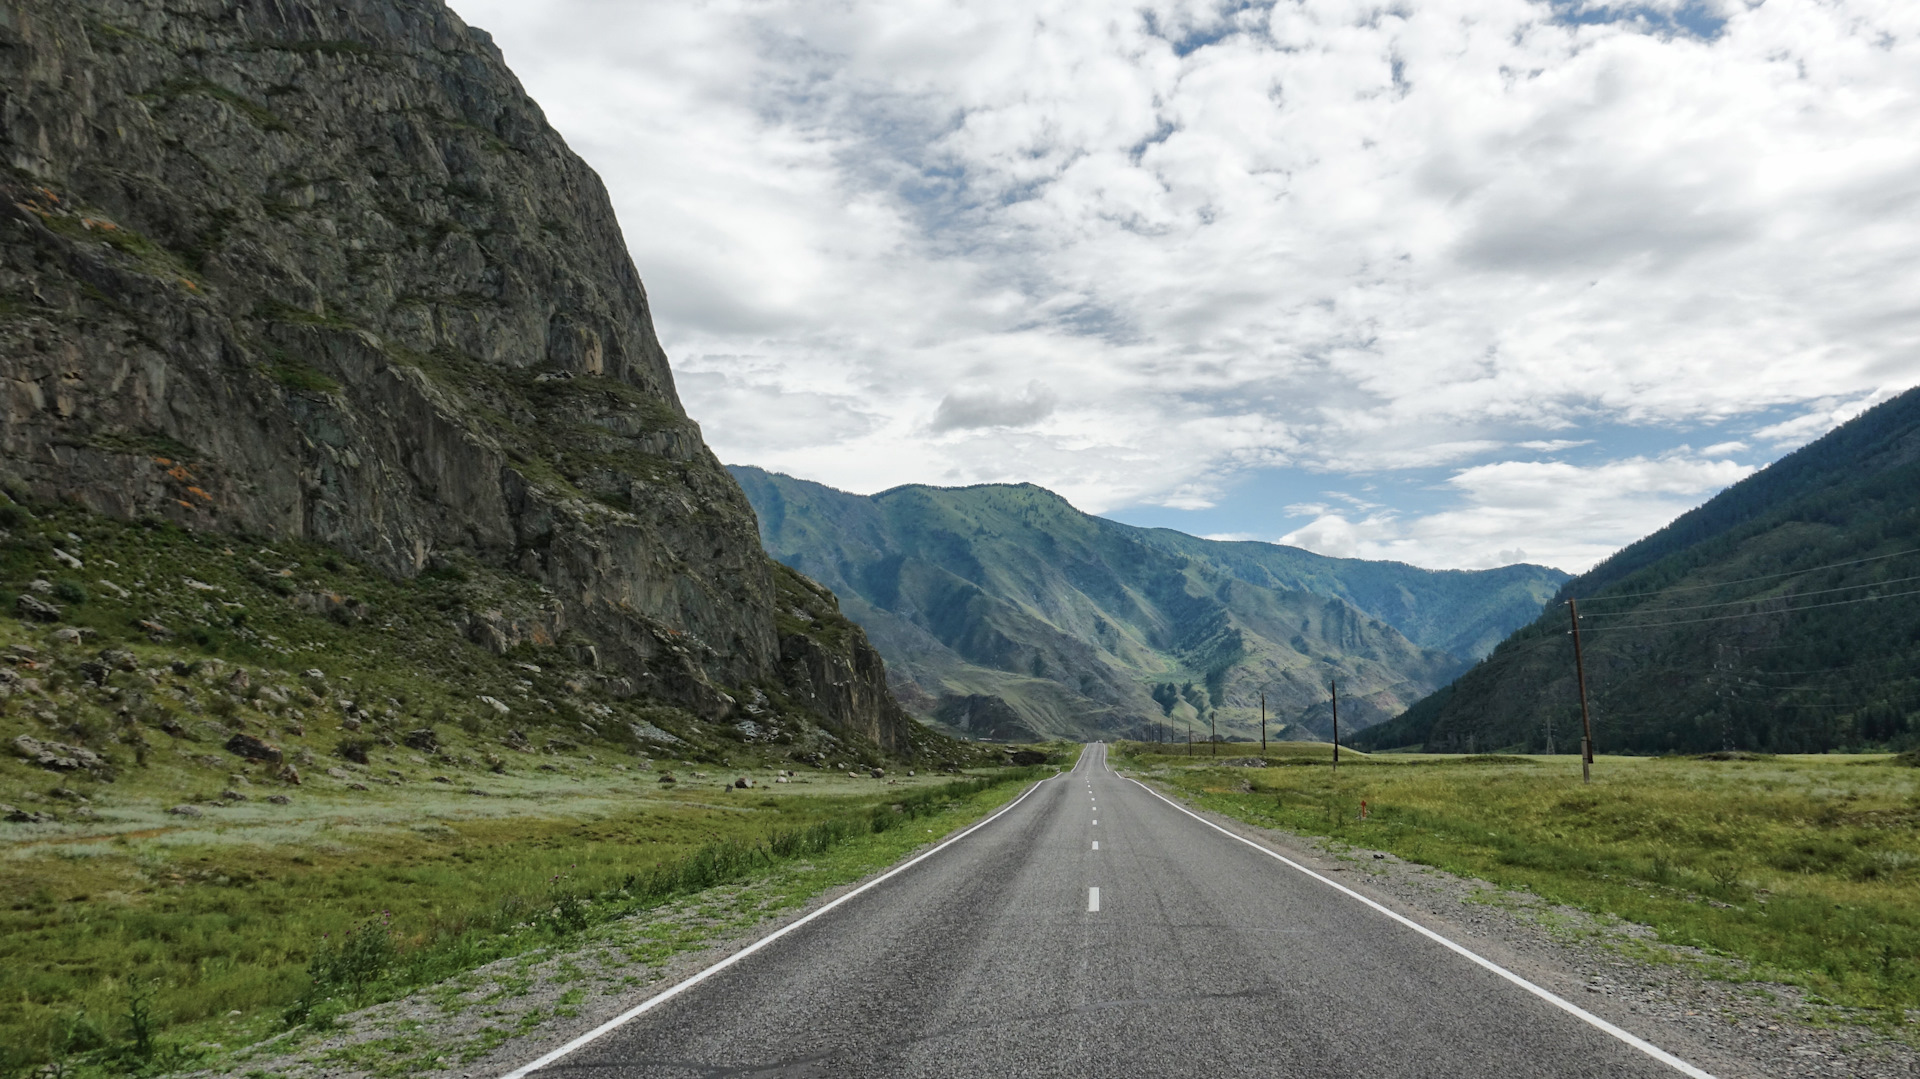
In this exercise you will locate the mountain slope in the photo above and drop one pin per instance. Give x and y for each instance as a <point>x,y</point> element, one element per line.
<point>322,271</point>
<point>1782,615</point>
<point>1003,610</point>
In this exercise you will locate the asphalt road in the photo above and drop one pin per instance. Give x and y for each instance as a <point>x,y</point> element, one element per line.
<point>1197,956</point>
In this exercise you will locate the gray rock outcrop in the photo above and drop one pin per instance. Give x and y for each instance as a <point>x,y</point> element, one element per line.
<point>322,270</point>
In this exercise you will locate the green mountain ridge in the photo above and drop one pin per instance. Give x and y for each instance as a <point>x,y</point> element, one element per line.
<point>1783,615</point>
<point>1002,611</point>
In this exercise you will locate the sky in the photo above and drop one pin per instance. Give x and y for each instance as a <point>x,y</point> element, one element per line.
<point>1454,282</point>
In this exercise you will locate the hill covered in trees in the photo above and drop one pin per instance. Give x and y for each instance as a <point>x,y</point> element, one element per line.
<point>1782,615</point>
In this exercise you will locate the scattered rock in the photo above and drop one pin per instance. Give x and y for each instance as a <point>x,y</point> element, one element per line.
<point>157,633</point>
<point>495,703</point>
<point>58,755</point>
<point>357,786</point>
<point>42,586</point>
<point>246,745</point>
<point>66,559</point>
<point>231,795</point>
<point>239,681</point>
<point>877,773</point>
<point>743,783</point>
<point>422,739</point>
<point>667,777</point>
<point>69,635</point>
<point>119,660</point>
<point>279,799</point>
<point>441,779</point>
<point>172,727</point>
<point>647,732</point>
<point>186,811</point>
<point>288,774</point>
<point>339,773</point>
<point>17,815</point>
<point>36,610</point>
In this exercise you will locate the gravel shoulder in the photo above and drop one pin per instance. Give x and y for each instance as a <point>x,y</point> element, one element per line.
<point>1703,1008</point>
<point>496,1017</point>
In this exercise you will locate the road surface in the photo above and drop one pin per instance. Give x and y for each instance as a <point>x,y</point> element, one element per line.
<point>1094,929</point>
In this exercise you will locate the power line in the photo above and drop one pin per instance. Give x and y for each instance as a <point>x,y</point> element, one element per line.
<point>1756,614</point>
<point>1745,580</point>
<point>1755,599</point>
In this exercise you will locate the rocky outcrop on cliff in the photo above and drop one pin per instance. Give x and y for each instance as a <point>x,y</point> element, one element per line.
<point>323,271</point>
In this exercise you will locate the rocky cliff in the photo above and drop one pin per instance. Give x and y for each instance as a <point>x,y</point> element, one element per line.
<point>323,271</point>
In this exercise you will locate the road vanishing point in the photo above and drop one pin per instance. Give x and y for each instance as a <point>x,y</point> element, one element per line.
<point>1094,928</point>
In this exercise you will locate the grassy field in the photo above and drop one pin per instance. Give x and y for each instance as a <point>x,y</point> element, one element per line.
<point>291,918</point>
<point>1805,867</point>
<point>250,785</point>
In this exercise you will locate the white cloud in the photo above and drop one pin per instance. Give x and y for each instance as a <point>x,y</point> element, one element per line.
<point>1565,515</point>
<point>1131,252</point>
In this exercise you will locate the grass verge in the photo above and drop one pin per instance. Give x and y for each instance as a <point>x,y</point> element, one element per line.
<point>1806,869</point>
<point>256,940</point>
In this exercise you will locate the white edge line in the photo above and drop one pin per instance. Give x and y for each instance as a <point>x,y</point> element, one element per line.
<point>680,987</point>
<point>1557,1001</point>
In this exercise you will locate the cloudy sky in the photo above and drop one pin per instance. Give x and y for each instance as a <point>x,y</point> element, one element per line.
<point>1456,282</point>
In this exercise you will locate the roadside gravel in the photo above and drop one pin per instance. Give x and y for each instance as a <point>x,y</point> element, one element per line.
<point>1703,1008</point>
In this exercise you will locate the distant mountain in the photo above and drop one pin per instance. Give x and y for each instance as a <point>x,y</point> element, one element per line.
<point>1003,611</point>
<point>1782,615</point>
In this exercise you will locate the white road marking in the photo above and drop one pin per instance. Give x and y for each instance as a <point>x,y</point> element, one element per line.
<point>1093,900</point>
<point>1096,844</point>
<point>1564,1005</point>
<point>1096,822</point>
<point>670,992</point>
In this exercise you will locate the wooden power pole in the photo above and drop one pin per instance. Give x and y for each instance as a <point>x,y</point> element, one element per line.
<point>1334,688</point>
<point>1580,676</point>
<point>1263,722</point>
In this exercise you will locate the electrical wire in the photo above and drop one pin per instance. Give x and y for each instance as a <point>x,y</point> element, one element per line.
<point>1753,599</point>
<point>1746,580</point>
<point>1754,614</point>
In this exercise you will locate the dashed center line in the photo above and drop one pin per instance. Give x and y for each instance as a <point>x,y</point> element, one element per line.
<point>1093,900</point>
<point>1096,844</point>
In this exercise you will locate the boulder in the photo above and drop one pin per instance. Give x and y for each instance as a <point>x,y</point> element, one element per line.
<point>58,756</point>
<point>36,610</point>
<point>186,811</point>
<point>254,749</point>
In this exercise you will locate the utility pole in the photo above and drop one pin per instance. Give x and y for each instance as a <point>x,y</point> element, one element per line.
<point>1334,688</point>
<point>1189,736</point>
<point>1580,675</point>
<point>1263,722</point>
<point>1213,733</point>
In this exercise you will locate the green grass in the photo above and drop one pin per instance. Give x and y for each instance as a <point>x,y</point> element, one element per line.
<point>292,924</point>
<point>497,834</point>
<point>1806,868</point>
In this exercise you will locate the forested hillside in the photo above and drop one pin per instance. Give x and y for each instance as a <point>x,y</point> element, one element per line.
<point>1782,615</point>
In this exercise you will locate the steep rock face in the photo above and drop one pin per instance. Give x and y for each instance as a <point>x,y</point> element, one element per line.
<point>323,270</point>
